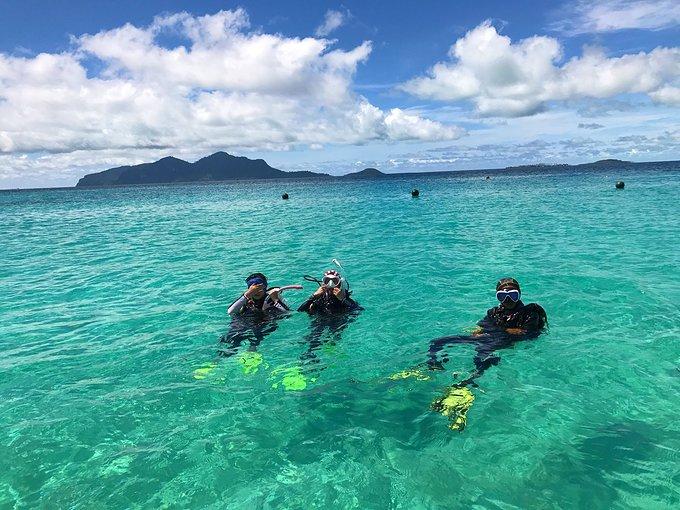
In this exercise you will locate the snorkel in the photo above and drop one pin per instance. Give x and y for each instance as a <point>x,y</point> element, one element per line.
<point>260,279</point>
<point>330,281</point>
<point>343,284</point>
<point>331,284</point>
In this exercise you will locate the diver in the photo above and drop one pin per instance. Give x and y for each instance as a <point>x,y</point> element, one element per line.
<point>332,309</point>
<point>332,296</point>
<point>257,299</point>
<point>253,315</point>
<point>503,326</point>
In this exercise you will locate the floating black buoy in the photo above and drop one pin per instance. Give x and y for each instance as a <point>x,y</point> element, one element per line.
<point>285,196</point>
<point>620,185</point>
<point>487,177</point>
<point>415,193</point>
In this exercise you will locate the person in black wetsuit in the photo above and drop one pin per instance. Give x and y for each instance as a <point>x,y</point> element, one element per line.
<point>503,326</point>
<point>253,315</point>
<point>332,309</point>
<point>331,298</point>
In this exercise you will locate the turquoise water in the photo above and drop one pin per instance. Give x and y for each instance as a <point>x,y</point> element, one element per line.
<point>111,299</point>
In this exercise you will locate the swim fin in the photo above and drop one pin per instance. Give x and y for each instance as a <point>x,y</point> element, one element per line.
<point>415,373</point>
<point>204,371</point>
<point>293,379</point>
<point>251,361</point>
<point>455,404</point>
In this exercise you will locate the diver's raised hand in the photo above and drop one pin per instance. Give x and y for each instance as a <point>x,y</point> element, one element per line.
<point>318,292</point>
<point>254,290</point>
<point>274,294</point>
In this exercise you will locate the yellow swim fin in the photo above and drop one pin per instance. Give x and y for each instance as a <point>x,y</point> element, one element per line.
<point>454,405</point>
<point>251,361</point>
<point>415,373</point>
<point>204,371</point>
<point>293,379</point>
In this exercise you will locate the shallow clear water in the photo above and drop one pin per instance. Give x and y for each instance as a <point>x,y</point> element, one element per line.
<point>111,299</point>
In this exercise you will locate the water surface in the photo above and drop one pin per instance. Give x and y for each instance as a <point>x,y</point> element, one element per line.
<point>111,298</point>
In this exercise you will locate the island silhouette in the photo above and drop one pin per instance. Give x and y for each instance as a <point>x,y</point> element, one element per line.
<point>222,166</point>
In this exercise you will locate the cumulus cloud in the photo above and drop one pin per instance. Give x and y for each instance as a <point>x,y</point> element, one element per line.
<point>667,95</point>
<point>332,21</point>
<point>596,16</point>
<point>222,86</point>
<point>403,126</point>
<point>509,79</point>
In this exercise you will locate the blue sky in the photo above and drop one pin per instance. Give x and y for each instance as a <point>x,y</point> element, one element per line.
<point>335,87</point>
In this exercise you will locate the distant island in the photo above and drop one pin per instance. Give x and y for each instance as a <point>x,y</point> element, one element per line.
<point>216,167</point>
<point>225,167</point>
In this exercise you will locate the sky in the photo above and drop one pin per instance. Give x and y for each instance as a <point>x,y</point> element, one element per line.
<point>335,86</point>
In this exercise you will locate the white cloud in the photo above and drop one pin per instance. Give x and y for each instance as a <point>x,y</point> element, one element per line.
<point>509,79</point>
<point>224,87</point>
<point>403,126</point>
<point>667,95</point>
<point>594,16</point>
<point>332,21</point>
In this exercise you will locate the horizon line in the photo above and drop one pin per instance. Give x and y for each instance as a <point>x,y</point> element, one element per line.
<point>321,174</point>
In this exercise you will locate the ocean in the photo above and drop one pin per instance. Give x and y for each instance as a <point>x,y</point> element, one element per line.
<point>113,300</point>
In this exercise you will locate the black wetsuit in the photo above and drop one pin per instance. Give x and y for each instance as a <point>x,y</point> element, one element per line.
<point>531,319</point>
<point>330,315</point>
<point>252,323</point>
<point>328,304</point>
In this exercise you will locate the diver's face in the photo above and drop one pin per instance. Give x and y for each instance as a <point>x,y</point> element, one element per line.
<point>507,302</point>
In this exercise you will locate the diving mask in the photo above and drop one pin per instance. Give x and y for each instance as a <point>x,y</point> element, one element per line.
<point>331,279</point>
<point>512,294</point>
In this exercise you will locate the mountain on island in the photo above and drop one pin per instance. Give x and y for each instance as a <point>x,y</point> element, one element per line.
<point>366,173</point>
<point>610,162</point>
<point>216,167</point>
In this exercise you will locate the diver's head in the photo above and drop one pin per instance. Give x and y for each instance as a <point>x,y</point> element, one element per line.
<point>331,279</point>
<point>508,292</point>
<point>257,279</point>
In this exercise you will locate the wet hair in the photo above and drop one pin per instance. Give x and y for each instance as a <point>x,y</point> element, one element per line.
<point>257,275</point>
<point>507,282</point>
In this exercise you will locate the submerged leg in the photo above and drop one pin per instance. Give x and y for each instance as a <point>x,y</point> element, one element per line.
<point>484,359</point>
<point>437,345</point>
<point>313,342</point>
<point>433,363</point>
<point>324,330</point>
<point>255,340</point>
<point>231,344</point>
<point>457,399</point>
